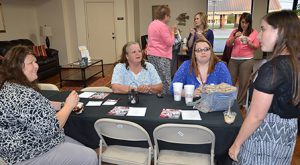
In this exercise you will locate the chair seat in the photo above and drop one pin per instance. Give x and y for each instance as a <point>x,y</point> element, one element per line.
<point>171,157</point>
<point>120,154</point>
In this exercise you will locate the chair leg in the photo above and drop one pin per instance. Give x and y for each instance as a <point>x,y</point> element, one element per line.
<point>155,155</point>
<point>100,152</point>
<point>149,155</point>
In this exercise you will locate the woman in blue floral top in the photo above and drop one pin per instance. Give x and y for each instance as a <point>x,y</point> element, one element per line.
<point>134,72</point>
<point>203,68</point>
<point>31,126</point>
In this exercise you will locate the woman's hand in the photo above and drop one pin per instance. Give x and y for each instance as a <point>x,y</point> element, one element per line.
<point>144,88</point>
<point>192,31</point>
<point>234,151</point>
<point>237,34</point>
<point>174,29</point>
<point>72,100</point>
<point>197,92</point>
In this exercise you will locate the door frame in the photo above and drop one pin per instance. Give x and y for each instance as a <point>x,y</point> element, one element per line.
<point>86,23</point>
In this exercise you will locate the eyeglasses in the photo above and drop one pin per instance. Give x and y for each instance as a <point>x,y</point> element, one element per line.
<point>199,50</point>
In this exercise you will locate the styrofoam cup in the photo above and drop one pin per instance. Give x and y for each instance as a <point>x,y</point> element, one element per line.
<point>177,88</point>
<point>189,93</point>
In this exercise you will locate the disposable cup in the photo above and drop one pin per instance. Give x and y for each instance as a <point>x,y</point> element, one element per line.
<point>177,88</point>
<point>229,117</point>
<point>244,39</point>
<point>189,93</point>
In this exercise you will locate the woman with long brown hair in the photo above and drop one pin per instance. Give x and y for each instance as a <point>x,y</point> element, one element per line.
<point>268,134</point>
<point>244,42</point>
<point>203,68</point>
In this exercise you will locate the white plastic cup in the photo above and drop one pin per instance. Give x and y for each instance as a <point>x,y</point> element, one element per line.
<point>244,39</point>
<point>177,89</point>
<point>189,93</point>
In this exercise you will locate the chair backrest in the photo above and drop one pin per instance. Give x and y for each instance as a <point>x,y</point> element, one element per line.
<point>46,86</point>
<point>184,134</point>
<point>121,130</point>
<point>227,53</point>
<point>2,162</point>
<point>144,41</point>
<point>96,89</point>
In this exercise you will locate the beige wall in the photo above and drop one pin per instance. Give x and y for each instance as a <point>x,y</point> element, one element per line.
<point>70,30</point>
<point>20,20</point>
<point>191,7</point>
<point>50,13</point>
<point>67,19</point>
<point>121,26</point>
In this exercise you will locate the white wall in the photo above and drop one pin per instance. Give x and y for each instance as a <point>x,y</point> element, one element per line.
<point>191,7</point>
<point>20,20</point>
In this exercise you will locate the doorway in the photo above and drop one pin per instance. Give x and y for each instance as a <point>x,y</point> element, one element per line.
<point>101,31</point>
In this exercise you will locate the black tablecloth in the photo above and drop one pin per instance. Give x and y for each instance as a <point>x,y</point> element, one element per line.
<point>81,127</point>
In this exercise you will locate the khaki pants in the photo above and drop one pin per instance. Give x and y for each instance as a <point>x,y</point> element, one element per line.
<point>241,70</point>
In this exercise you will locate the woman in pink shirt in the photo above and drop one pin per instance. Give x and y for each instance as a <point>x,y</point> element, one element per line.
<point>244,41</point>
<point>160,42</point>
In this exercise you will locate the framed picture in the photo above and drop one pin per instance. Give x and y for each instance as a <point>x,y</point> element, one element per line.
<point>2,26</point>
<point>154,11</point>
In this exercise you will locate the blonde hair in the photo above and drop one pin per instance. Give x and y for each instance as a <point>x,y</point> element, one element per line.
<point>203,18</point>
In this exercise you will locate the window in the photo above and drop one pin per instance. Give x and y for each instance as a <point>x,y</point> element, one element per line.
<point>223,17</point>
<point>298,9</point>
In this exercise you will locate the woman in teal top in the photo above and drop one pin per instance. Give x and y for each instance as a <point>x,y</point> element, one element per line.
<point>134,72</point>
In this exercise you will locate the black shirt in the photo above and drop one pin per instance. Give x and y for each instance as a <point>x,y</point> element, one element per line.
<point>275,77</point>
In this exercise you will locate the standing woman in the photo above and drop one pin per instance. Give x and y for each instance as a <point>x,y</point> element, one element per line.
<point>200,31</point>
<point>244,41</point>
<point>268,134</point>
<point>160,42</point>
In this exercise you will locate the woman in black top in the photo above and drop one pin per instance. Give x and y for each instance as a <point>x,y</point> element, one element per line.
<point>268,134</point>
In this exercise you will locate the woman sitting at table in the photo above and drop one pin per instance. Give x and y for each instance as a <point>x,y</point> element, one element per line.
<point>203,68</point>
<point>31,128</point>
<point>133,72</point>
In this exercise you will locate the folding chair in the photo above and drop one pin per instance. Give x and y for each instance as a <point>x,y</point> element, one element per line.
<point>183,134</point>
<point>2,162</point>
<point>96,89</point>
<point>123,130</point>
<point>46,86</point>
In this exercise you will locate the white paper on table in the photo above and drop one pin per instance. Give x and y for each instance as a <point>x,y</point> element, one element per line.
<point>136,111</point>
<point>94,103</point>
<point>190,115</point>
<point>86,94</point>
<point>110,102</point>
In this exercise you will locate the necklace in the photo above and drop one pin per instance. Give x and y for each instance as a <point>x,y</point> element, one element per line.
<point>201,79</point>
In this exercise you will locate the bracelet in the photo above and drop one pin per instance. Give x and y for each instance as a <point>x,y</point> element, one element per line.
<point>62,104</point>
